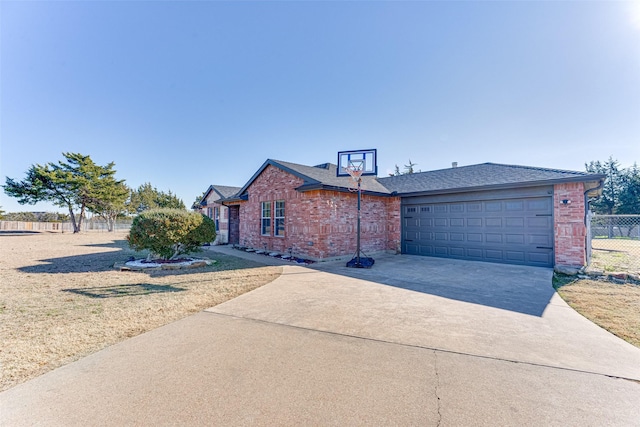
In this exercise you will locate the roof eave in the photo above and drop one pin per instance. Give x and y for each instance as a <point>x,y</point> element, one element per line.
<point>586,178</point>
<point>319,186</point>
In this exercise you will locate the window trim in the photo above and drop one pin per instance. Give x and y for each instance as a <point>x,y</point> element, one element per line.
<point>279,219</point>
<point>265,221</point>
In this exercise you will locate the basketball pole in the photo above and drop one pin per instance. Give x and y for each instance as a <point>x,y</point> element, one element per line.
<point>358,263</point>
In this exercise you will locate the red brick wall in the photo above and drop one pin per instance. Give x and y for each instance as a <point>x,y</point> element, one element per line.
<point>570,230</point>
<point>318,224</point>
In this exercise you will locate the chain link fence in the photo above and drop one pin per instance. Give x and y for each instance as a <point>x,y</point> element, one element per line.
<point>90,224</point>
<point>615,242</point>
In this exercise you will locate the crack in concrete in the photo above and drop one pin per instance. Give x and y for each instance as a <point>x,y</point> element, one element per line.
<point>442,350</point>
<point>435,366</point>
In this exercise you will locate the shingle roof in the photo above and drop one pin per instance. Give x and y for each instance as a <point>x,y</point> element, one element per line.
<point>325,176</point>
<point>479,176</point>
<point>225,190</point>
<point>464,178</point>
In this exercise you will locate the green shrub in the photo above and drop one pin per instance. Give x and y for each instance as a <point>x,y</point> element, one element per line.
<point>170,232</point>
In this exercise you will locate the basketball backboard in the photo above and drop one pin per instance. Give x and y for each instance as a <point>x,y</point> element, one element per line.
<point>365,159</point>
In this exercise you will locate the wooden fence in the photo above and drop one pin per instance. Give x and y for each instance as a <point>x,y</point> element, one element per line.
<point>62,227</point>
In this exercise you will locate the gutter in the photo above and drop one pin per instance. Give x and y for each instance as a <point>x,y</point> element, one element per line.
<point>595,189</point>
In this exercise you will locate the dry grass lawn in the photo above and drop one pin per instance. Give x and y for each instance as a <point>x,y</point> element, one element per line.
<point>616,255</point>
<point>614,307</point>
<point>60,298</point>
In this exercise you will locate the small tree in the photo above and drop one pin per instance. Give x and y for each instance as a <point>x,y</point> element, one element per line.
<point>109,202</point>
<point>408,169</point>
<point>171,232</point>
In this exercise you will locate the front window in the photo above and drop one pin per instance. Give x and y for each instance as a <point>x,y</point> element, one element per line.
<point>216,217</point>
<point>279,224</point>
<point>265,228</point>
<point>209,212</point>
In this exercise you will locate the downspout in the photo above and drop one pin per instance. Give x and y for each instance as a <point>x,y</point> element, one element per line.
<point>586,199</point>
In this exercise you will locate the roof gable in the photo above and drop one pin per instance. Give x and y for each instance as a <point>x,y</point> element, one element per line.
<point>317,177</point>
<point>223,191</point>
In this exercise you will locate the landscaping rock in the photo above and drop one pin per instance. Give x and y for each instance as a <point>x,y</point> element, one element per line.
<point>618,275</point>
<point>569,271</point>
<point>594,272</point>
<point>198,264</point>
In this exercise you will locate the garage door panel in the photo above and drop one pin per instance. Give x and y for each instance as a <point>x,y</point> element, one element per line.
<point>493,206</point>
<point>474,237</point>
<point>516,230</point>
<point>456,251</point>
<point>493,222</point>
<point>542,204</point>
<point>411,249</point>
<point>474,222</point>
<point>426,250</point>
<point>516,239</point>
<point>493,238</point>
<point>493,254</point>
<point>474,207</point>
<point>539,258</point>
<point>514,206</point>
<point>474,253</point>
<point>515,256</point>
<point>456,237</point>
<point>456,222</point>
<point>440,250</point>
<point>412,236</point>
<point>540,239</point>
<point>514,222</point>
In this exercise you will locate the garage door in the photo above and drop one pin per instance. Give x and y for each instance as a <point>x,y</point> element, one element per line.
<point>512,230</point>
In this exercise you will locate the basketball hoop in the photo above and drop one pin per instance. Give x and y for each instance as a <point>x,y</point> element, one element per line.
<point>355,168</point>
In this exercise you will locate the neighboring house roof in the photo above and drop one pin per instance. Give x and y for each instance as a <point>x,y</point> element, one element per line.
<point>482,176</point>
<point>223,191</point>
<point>321,177</point>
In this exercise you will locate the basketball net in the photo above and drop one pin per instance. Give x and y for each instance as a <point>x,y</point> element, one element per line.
<point>355,170</point>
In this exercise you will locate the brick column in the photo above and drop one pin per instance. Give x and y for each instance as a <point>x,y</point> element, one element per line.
<point>569,228</point>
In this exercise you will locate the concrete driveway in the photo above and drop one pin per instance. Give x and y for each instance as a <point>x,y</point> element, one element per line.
<point>413,341</point>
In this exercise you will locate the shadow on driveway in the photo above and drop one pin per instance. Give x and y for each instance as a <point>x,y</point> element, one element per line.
<point>521,289</point>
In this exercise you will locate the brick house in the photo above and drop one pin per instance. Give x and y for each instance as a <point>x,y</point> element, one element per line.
<point>487,212</point>
<point>210,206</point>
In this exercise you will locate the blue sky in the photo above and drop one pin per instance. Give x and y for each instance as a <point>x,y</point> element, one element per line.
<point>187,94</point>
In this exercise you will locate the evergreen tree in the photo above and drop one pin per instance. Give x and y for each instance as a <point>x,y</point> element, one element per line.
<point>148,197</point>
<point>77,183</point>
<point>609,201</point>
<point>630,191</point>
